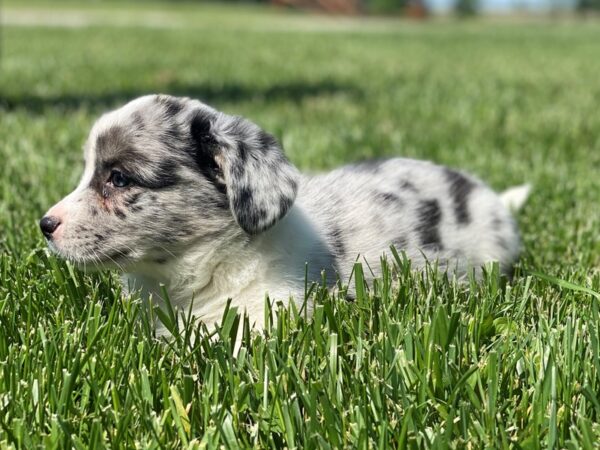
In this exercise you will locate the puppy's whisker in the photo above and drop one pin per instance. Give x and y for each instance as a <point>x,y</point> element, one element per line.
<point>107,256</point>
<point>166,250</point>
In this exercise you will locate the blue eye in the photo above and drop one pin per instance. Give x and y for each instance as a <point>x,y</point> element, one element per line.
<point>118,179</point>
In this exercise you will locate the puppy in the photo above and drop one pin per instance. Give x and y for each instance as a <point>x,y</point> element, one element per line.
<point>177,193</point>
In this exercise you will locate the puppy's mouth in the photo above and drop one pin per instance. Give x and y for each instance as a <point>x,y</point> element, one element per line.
<point>93,260</point>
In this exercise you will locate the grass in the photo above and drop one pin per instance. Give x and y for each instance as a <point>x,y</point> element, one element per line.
<point>417,361</point>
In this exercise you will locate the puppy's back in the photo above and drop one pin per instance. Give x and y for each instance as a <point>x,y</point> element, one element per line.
<point>429,211</point>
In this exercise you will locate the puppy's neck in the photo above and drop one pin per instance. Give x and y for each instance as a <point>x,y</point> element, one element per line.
<point>241,267</point>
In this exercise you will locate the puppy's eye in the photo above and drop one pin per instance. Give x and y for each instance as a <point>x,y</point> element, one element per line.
<point>118,179</point>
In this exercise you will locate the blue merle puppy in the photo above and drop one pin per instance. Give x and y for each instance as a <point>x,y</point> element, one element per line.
<point>175,192</point>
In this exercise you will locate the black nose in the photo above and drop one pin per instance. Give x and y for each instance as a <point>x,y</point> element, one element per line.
<point>49,224</point>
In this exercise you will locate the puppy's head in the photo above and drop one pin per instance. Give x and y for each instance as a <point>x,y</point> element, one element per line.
<point>162,173</point>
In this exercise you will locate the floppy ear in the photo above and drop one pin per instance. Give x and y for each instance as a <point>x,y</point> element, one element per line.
<point>249,166</point>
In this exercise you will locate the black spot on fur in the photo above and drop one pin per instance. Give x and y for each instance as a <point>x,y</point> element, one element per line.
<point>94,211</point>
<point>120,214</point>
<point>408,186</point>
<point>205,150</point>
<point>136,208</point>
<point>172,105</point>
<point>244,132</point>
<point>99,237</point>
<point>247,214</point>
<point>133,199</point>
<point>245,197</point>
<point>170,137</point>
<point>261,214</point>
<point>139,124</point>
<point>220,202</point>
<point>163,177</point>
<point>389,199</point>
<point>237,169</point>
<point>110,140</point>
<point>430,216</point>
<point>208,204</point>
<point>285,203</point>
<point>201,128</point>
<point>337,241</point>
<point>243,150</point>
<point>400,243</point>
<point>265,140</point>
<point>460,188</point>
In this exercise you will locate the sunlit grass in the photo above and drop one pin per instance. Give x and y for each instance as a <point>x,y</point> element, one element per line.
<point>416,360</point>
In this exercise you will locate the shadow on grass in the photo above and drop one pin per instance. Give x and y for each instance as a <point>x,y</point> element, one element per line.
<point>293,92</point>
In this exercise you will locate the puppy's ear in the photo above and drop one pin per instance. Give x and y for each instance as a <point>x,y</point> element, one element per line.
<point>248,165</point>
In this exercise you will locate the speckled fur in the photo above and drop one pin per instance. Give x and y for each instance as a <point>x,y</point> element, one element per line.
<point>214,211</point>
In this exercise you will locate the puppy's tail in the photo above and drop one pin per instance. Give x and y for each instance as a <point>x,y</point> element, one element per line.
<point>515,197</point>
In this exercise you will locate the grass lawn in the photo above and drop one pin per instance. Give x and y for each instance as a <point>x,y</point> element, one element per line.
<point>416,361</point>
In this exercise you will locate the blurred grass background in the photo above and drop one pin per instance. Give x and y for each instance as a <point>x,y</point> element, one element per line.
<point>512,101</point>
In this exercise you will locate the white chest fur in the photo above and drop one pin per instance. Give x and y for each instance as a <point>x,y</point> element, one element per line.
<point>246,271</point>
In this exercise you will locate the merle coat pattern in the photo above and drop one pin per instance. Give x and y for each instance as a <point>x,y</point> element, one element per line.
<point>175,192</point>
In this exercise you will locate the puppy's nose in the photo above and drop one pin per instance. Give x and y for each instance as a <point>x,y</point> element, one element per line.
<point>49,224</point>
